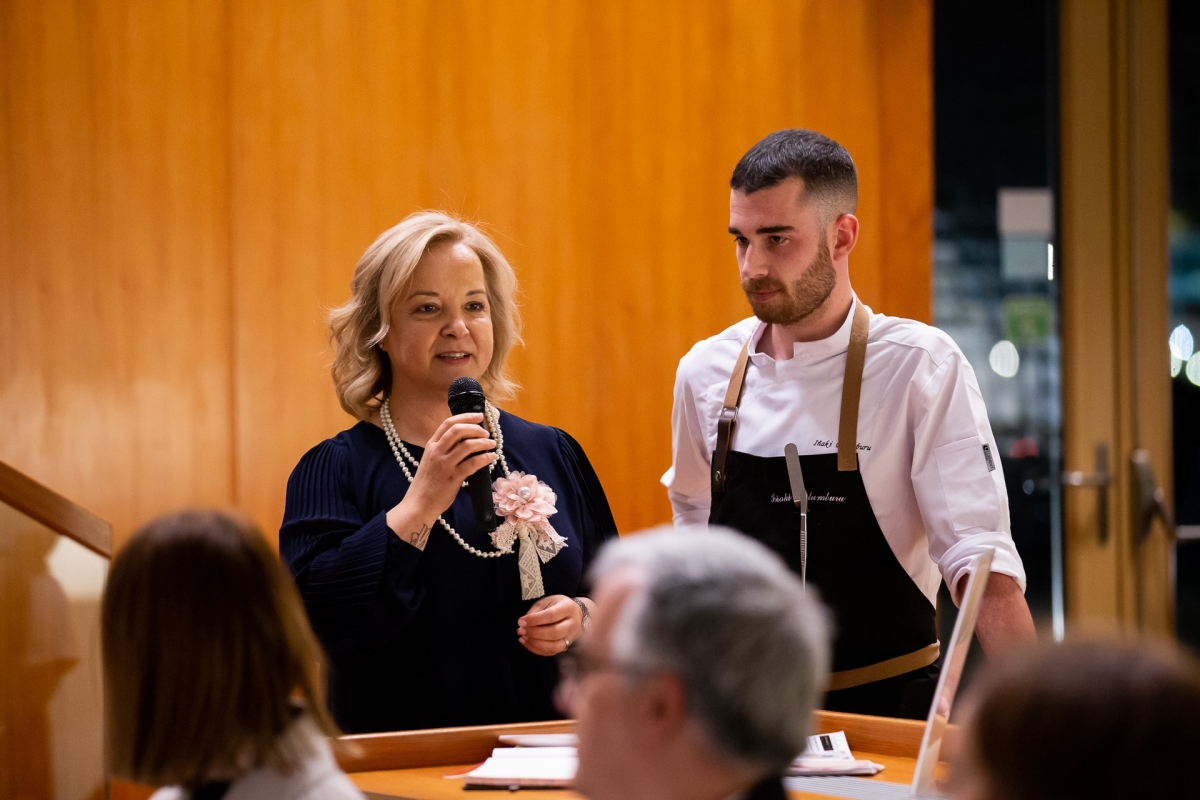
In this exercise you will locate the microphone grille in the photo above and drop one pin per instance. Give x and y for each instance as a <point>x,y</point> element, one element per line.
<point>464,386</point>
<point>465,396</point>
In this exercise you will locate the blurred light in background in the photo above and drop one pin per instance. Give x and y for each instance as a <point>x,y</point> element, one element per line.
<point>1192,370</point>
<point>1181,343</point>
<point>996,166</point>
<point>1025,221</point>
<point>1004,359</point>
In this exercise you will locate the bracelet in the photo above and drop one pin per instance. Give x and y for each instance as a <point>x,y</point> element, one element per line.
<point>587,617</point>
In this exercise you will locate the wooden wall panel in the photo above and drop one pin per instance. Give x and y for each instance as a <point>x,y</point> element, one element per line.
<point>114,281</point>
<point>186,188</point>
<point>905,230</point>
<point>596,141</point>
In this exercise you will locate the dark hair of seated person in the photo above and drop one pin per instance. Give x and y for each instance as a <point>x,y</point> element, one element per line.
<point>208,655</point>
<point>1089,719</point>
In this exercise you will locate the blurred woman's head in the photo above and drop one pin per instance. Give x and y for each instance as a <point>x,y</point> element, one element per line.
<point>433,299</point>
<point>1090,719</point>
<point>208,655</point>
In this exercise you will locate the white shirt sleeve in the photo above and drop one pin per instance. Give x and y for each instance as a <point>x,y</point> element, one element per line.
<point>957,476</point>
<point>687,480</point>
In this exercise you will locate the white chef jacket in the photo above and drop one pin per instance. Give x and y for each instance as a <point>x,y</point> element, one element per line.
<point>925,449</point>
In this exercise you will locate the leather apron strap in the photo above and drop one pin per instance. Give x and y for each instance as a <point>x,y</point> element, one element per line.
<point>727,421</point>
<point>849,678</point>
<point>856,355</point>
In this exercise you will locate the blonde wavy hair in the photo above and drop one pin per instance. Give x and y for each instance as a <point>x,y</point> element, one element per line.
<point>362,373</point>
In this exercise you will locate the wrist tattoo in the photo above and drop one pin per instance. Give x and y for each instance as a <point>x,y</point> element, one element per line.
<point>418,538</point>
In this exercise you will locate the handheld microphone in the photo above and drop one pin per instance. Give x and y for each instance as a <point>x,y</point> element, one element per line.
<point>466,397</point>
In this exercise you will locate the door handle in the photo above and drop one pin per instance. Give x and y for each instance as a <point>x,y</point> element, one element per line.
<point>1149,499</point>
<point>1100,481</point>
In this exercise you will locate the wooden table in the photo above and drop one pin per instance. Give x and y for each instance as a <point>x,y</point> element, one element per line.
<point>413,764</point>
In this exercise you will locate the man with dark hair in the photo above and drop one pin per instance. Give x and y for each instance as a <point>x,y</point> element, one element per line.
<point>823,165</point>
<point>874,506</point>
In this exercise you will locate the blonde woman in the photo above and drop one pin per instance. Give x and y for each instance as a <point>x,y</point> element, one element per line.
<point>430,620</point>
<point>210,668</point>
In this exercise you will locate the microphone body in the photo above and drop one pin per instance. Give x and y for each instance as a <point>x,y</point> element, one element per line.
<point>466,397</point>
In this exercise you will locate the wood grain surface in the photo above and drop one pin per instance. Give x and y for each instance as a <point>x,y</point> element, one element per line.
<point>896,737</point>
<point>55,511</point>
<point>415,764</point>
<point>185,188</point>
<point>1116,378</point>
<point>404,749</point>
<point>114,253</point>
<point>432,783</point>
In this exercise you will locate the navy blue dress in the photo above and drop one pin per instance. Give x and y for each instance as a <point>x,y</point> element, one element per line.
<point>427,639</point>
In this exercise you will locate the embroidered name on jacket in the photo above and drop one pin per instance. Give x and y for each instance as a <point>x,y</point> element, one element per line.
<point>812,498</point>
<point>829,443</point>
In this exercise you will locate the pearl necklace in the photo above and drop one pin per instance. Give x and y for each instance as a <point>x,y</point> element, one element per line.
<point>402,455</point>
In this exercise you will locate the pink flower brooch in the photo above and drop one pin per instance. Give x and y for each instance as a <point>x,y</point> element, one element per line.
<point>526,505</point>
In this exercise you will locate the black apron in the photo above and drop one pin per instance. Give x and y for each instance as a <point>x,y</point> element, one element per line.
<point>885,647</point>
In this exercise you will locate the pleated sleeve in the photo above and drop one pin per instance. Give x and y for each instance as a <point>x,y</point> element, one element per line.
<point>597,525</point>
<point>359,581</point>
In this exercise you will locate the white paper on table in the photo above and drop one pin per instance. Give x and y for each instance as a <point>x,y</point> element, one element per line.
<point>828,745</point>
<point>808,765</point>
<point>540,739</point>
<point>505,753</point>
<point>526,766</point>
<point>518,769</point>
<point>829,754</point>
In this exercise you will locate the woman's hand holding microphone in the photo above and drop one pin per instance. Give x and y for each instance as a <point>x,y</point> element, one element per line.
<point>452,455</point>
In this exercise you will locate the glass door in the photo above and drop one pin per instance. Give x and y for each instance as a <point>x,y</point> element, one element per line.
<point>1051,273</point>
<point>995,287</point>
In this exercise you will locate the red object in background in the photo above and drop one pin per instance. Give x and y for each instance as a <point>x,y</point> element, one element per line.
<point>1026,447</point>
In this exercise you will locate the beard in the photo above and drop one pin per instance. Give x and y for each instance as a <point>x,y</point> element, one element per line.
<point>800,299</point>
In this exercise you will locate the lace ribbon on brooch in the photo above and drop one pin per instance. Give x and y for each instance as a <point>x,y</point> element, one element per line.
<point>526,504</point>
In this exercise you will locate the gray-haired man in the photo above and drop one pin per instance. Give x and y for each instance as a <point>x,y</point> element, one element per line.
<point>699,677</point>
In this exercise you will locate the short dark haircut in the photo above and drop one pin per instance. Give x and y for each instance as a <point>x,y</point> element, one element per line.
<point>1091,719</point>
<point>824,165</point>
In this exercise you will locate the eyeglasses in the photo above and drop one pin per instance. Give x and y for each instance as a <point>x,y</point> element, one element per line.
<point>575,665</point>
